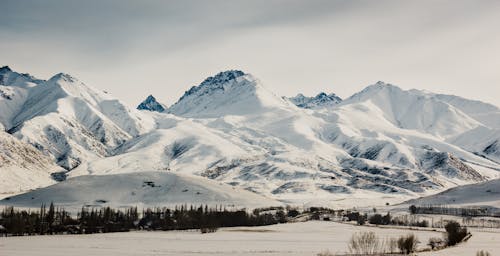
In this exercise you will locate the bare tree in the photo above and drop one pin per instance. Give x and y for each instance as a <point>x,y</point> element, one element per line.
<point>365,243</point>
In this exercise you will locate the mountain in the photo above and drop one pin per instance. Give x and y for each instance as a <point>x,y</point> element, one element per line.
<point>228,93</point>
<point>65,118</point>
<point>415,110</point>
<point>383,144</point>
<point>239,133</point>
<point>145,189</point>
<point>151,104</point>
<point>487,114</point>
<point>485,194</point>
<point>23,167</point>
<point>319,101</point>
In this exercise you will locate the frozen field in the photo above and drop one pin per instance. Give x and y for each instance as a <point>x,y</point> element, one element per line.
<point>482,239</point>
<point>306,238</point>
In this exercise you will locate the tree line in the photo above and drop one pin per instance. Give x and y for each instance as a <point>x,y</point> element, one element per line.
<point>455,211</point>
<point>55,220</point>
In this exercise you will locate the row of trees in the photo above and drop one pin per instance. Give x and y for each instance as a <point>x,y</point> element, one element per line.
<point>58,221</point>
<point>455,211</point>
<point>387,219</point>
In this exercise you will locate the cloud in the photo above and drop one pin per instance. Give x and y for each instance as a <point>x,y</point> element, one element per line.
<point>309,46</point>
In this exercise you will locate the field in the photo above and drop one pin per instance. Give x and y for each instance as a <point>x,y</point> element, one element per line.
<point>305,238</point>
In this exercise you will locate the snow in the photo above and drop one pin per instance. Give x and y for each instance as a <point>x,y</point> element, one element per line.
<point>322,100</point>
<point>145,189</point>
<point>305,238</point>
<point>383,144</point>
<point>67,119</point>
<point>22,167</point>
<point>480,194</point>
<point>482,239</point>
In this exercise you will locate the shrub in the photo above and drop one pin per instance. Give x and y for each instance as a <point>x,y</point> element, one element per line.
<point>365,243</point>
<point>325,253</point>
<point>483,253</point>
<point>361,220</point>
<point>392,245</point>
<point>293,213</point>
<point>455,233</point>
<point>407,244</point>
<point>205,230</point>
<point>435,242</point>
<point>413,209</point>
<point>376,219</point>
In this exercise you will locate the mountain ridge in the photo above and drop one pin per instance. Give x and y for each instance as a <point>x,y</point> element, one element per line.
<point>381,142</point>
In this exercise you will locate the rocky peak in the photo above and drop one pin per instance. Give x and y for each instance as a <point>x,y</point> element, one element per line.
<point>151,104</point>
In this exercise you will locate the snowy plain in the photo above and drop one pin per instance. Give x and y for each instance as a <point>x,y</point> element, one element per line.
<point>304,238</point>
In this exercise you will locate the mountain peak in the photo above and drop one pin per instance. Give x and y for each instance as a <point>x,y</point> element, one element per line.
<point>319,101</point>
<point>230,92</point>
<point>151,104</point>
<point>64,77</point>
<point>214,82</point>
<point>13,78</point>
<point>5,69</point>
<point>223,77</point>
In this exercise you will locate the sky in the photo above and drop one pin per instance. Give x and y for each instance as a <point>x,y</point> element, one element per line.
<point>135,48</point>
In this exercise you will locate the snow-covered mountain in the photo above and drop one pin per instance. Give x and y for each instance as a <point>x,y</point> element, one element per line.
<point>381,144</point>
<point>484,194</point>
<point>151,104</point>
<point>321,100</point>
<point>65,118</point>
<point>145,189</point>
<point>227,93</point>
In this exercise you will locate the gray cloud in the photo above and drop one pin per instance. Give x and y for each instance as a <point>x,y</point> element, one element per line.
<point>340,46</point>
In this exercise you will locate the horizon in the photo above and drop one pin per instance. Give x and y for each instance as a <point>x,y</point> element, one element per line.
<point>161,48</point>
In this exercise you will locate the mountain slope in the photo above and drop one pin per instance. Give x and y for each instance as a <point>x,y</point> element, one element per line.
<point>67,119</point>
<point>415,110</point>
<point>23,167</point>
<point>383,142</point>
<point>487,114</point>
<point>281,151</point>
<point>145,189</point>
<point>481,194</point>
<point>227,93</point>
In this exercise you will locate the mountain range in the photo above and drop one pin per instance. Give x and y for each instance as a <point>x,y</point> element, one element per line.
<point>381,145</point>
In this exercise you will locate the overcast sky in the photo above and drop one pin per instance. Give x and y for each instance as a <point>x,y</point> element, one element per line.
<point>136,48</point>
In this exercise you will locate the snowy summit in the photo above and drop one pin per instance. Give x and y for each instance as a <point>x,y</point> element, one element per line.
<point>319,101</point>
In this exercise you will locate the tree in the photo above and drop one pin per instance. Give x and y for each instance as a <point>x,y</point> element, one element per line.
<point>413,209</point>
<point>455,233</point>
<point>50,218</point>
<point>365,243</point>
<point>407,244</point>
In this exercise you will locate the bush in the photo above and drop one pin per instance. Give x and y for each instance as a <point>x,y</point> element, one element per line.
<point>435,242</point>
<point>293,213</point>
<point>483,253</point>
<point>378,219</point>
<point>407,244</point>
<point>365,243</point>
<point>413,209</point>
<point>455,233</point>
<point>325,253</point>
<point>361,220</point>
<point>205,230</point>
<point>391,245</point>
